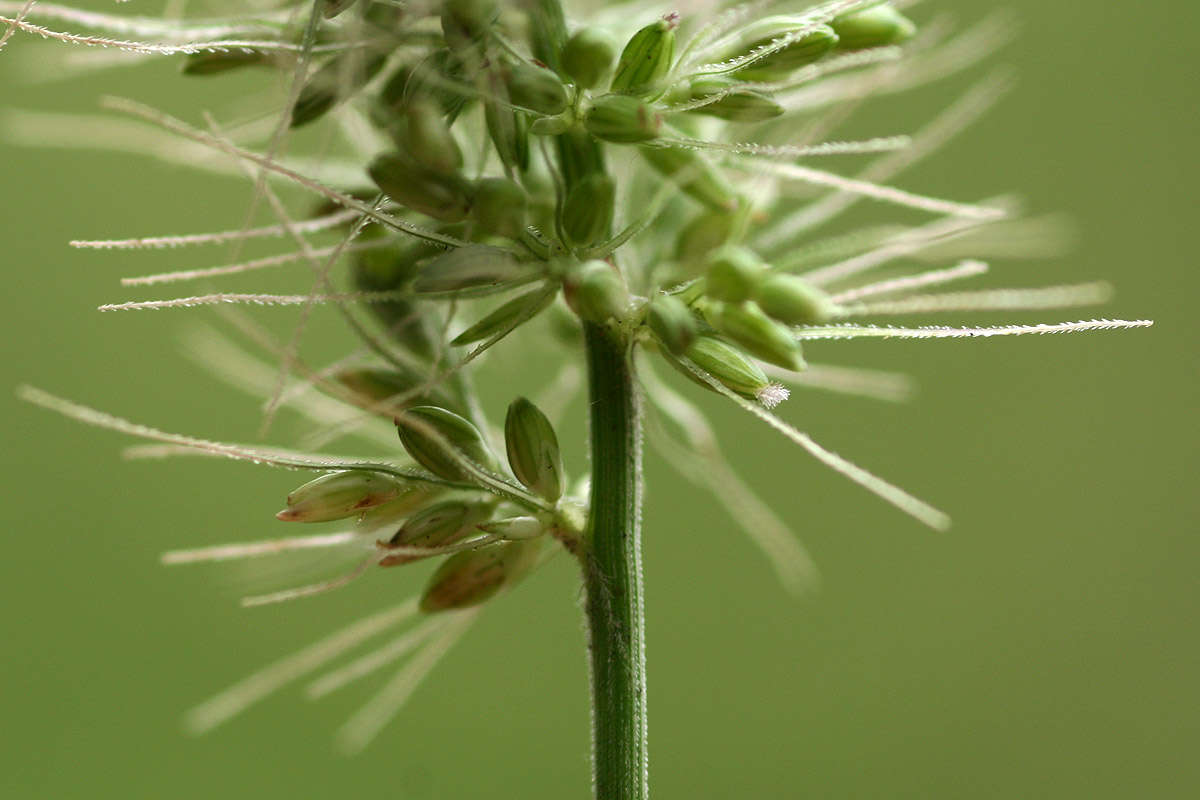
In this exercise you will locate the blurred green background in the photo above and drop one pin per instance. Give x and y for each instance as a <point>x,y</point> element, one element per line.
<point>1045,647</point>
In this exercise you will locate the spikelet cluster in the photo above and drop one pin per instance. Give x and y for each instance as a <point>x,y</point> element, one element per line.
<point>500,165</point>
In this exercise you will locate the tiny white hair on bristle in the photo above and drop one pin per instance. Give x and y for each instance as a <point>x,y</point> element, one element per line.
<point>966,269</point>
<point>275,457</point>
<point>772,394</point>
<point>366,724</point>
<point>185,48</point>
<point>956,117</point>
<point>376,659</point>
<point>217,354</point>
<point>246,266</point>
<point>22,12</point>
<point>252,299</point>
<point>902,244</point>
<point>220,237</point>
<point>237,698</point>
<point>148,26</point>
<point>180,128</point>
<point>914,507</point>
<point>894,387</point>
<point>701,463</point>
<point>1067,296</point>
<point>882,144</point>
<point>875,191</point>
<point>813,18</point>
<point>268,547</point>
<point>709,36</point>
<point>851,331</point>
<point>313,588</point>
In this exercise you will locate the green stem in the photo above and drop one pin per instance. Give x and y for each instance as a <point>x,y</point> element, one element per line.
<point>612,566</point>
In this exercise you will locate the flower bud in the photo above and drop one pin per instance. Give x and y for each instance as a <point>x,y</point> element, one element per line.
<point>331,8</point>
<point>464,21</point>
<point>533,450</point>
<point>794,301</point>
<point>509,131</point>
<point>875,26</point>
<point>389,391</point>
<point>470,578</point>
<point>763,337</point>
<point>729,365</point>
<point>704,234</point>
<point>524,306</point>
<point>475,267</point>
<point>339,495</point>
<point>646,59</point>
<point>624,119</point>
<point>427,138</point>
<point>415,497</point>
<point>588,56</point>
<point>588,212</point>
<point>737,105</point>
<point>536,88</point>
<point>596,292</point>
<point>514,529</point>
<point>336,80</point>
<point>549,126</point>
<point>779,65</point>
<point>218,61</point>
<point>734,273</point>
<point>438,439</point>
<point>694,174</point>
<point>501,207</point>
<point>442,196</point>
<point>673,323</point>
<point>438,525</point>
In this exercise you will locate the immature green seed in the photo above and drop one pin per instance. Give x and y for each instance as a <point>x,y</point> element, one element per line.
<point>673,323</point>
<point>588,212</point>
<point>794,301</point>
<point>533,450</point>
<point>763,337</point>
<point>807,48</point>
<point>501,207</point>
<point>536,88</point>
<point>391,269</point>
<point>442,196</point>
<point>646,59</point>
<point>477,268</point>
<point>339,495</point>
<point>427,138</point>
<point>736,105</point>
<point>525,306</point>
<point>734,273</point>
<point>438,440</point>
<point>596,292</point>
<point>219,61</point>
<point>872,27</point>
<point>438,525</point>
<point>624,119</point>
<point>414,498</point>
<point>729,365</point>
<point>588,56</point>
<point>515,529</point>
<point>579,155</point>
<point>475,576</point>
<point>336,80</point>
<point>694,174</point>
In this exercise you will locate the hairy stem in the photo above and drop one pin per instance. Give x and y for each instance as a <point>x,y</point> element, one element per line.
<point>612,565</point>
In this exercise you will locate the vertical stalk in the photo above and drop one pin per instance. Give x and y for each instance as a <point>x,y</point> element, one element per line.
<point>612,566</point>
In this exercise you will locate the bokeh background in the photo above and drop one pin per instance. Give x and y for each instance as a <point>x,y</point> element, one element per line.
<point>1045,647</point>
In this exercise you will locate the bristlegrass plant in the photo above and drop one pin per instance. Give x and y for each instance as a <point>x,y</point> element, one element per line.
<point>644,187</point>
